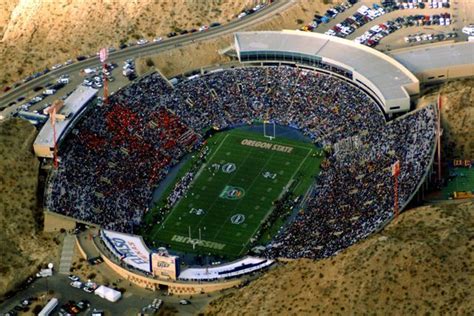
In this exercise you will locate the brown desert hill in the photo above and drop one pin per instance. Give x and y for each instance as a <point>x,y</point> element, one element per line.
<point>36,34</point>
<point>457,116</point>
<point>201,54</point>
<point>420,264</point>
<point>22,244</point>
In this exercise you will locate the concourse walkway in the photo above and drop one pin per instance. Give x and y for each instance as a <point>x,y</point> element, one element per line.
<point>67,254</point>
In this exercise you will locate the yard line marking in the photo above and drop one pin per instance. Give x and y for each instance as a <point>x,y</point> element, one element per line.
<point>271,208</point>
<point>194,180</point>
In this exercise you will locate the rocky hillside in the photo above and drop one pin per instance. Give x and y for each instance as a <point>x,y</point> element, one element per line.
<point>457,116</point>
<point>420,264</point>
<point>35,34</point>
<point>23,246</point>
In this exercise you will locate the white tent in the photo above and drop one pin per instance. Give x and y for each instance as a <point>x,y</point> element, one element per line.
<point>108,293</point>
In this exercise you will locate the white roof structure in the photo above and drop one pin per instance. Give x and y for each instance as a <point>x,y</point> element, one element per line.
<point>108,293</point>
<point>385,77</point>
<point>234,269</point>
<point>430,57</point>
<point>73,105</point>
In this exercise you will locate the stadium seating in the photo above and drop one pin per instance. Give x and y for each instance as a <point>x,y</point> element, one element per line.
<point>119,153</point>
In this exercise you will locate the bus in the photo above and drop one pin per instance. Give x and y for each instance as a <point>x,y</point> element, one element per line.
<point>49,307</point>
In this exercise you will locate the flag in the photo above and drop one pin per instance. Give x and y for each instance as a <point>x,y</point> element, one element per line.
<point>103,54</point>
<point>396,168</point>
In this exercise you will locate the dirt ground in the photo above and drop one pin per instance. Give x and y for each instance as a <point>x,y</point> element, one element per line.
<point>197,55</point>
<point>419,264</point>
<point>36,34</point>
<point>23,246</point>
<point>457,116</point>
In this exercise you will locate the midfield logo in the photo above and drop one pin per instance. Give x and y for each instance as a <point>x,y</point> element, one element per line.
<point>232,193</point>
<point>237,219</point>
<point>229,167</point>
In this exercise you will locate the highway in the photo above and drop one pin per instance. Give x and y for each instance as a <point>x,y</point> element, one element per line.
<point>144,50</point>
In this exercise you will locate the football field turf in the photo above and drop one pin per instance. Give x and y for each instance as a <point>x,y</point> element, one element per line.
<point>233,192</point>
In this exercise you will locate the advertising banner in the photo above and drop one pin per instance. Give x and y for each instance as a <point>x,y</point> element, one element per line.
<point>129,248</point>
<point>165,266</point>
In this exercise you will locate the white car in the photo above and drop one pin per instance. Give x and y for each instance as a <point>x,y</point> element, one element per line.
<point>203,28</point>
<point>184,302</point>
<point>57,66</point>
<point>241,15</point>
<point>469,30</point>
<point>88,289</point>
<point>157,39</point>
<point>89,70</point>
<point>142,41</point>
<point>73,277</point>
<point>76,284</point>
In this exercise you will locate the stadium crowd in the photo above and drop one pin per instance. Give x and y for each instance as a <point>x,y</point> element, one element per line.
<point>118,153</point>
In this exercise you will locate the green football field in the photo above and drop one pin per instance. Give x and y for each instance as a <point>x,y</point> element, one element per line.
<point>233,192</point>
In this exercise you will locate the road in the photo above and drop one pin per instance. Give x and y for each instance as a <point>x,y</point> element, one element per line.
<point>145,50</point>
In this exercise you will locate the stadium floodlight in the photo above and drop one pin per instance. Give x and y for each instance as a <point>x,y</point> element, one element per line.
<point>269,131</point>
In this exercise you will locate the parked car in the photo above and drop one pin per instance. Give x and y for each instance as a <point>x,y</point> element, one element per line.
<point>73,277</point>
<point>88,289</point>
<point>83,304</point>
<point>76,284</point>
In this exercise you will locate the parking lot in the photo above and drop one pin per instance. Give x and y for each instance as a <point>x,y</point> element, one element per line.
<point>132,301</point>
<point>393,24</point>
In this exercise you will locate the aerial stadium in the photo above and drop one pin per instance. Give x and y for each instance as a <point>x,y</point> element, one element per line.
<point>302,147</point>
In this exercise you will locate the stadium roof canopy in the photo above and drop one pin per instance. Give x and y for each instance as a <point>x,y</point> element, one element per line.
<point>425,59</point>
<point>385,77</point>
<point>73,106</point>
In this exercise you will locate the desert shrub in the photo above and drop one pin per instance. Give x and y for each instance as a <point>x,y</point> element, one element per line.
<point>37,309</point>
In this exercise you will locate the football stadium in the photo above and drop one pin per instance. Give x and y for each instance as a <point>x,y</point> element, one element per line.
<point>303,146</point>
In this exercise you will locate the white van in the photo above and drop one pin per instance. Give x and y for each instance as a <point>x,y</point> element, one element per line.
<point>89,70</point>
<point>49,92</point>
<point>468,29</point>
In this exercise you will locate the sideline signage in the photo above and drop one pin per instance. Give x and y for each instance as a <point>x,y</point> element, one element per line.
<point>130,248</point>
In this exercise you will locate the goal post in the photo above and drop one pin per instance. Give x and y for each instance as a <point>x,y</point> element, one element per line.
<point>269,130</point>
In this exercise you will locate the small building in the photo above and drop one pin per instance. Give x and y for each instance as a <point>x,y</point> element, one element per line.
<point>73,107</point>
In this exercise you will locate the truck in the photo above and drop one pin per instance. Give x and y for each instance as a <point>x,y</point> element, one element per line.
<point>44,273</point>
<point>49,307</point>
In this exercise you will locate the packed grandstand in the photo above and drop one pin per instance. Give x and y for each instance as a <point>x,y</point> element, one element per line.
<point>118,153</point>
